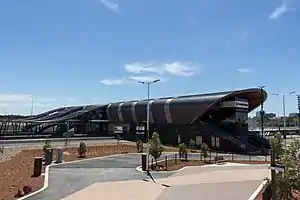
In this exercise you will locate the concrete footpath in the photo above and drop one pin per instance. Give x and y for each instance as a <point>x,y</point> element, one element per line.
<point>116,178</point>
<point>226,182</point>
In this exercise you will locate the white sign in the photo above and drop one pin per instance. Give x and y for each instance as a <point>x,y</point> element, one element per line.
<point>277,169</point>
<point>140,130</point>
<point>235,104</point>
<point>198,140</point>
<point>118,129</point>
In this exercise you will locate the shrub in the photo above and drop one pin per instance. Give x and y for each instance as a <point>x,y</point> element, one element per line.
<point>182,150</point>
<point>204,150</point>
<point>47,145</point>
<point>139,146</point>
<point>82,149</point>
<point>156,148</point>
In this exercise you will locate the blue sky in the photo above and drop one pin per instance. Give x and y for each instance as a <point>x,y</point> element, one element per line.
<point>69,52</point>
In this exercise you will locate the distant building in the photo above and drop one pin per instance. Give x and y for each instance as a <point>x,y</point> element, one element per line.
<point>293,115</point>
<point>268,115</point>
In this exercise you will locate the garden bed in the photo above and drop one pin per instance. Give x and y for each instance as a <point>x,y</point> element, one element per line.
<point>16,172</point>
<point>172,165</point>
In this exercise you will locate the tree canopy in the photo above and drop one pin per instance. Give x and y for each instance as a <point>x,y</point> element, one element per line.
<point>289,181</point>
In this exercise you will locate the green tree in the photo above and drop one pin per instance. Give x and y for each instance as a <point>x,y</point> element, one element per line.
<point>182,150</point>
<point>276,145</point>
<point>156,148</point>
<point>289,181</point>
<point>204,150</point>
<point>82,149</point>
<point>139,146</point>
<point>47,145</point>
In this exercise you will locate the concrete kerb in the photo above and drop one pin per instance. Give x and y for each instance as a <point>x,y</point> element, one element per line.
<point>46,174</point>
<point>260,188</point>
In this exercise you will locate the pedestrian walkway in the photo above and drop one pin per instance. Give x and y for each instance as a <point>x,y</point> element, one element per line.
<point>228,182</point>
<point>115,177</point>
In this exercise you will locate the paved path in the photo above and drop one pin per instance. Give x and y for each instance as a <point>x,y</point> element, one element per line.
<point>69,178</point>
<point>226,182</point>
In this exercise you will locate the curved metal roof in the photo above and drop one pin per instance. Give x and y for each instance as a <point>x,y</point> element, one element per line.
<point>255,97</point>
<point>72,115</point>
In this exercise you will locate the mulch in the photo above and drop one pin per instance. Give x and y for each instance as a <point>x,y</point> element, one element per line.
<point>16,172</point>
<point>171,165</point>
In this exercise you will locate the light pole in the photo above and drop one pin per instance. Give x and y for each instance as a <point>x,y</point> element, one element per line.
<point>283,106</point>
<point>31,112</point>
<point>148,118</point>
<point>262,116</point>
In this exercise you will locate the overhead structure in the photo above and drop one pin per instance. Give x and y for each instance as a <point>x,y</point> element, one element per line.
<point>222,115</point>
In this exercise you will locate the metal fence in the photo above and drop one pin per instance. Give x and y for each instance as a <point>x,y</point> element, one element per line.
<point>213,157</point>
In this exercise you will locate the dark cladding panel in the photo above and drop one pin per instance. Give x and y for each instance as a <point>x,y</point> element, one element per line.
<point>158,111</point>
<point>141,111</point>
<point>113,112</point>
<point>184,110</point>
<point>126,112</point>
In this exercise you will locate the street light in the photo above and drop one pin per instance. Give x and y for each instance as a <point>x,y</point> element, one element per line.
<point>148,117</point>
<point>31,112</point>
<point>283,106</point>
<point>262,116</point>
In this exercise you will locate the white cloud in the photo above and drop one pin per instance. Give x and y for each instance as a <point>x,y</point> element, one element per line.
<point>110,5</point>
<point>244,70</point>
<point>15,97</point>
<point>281,9</point>
<point>174,68</point>
<point>112,81</point>
<point>180,69</point>
<point>138,68</point>
<point>18,103</point>
<point>144,78</point>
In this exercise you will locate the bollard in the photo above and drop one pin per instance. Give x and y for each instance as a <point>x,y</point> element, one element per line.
<point>37,166</point>
<point>59,155</point>
<point>144,160</point>
<point>48,156</point>
<point>175,159</point>
<point>166,160</point>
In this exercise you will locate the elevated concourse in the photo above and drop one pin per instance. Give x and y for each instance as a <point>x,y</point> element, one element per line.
<point>218,119</point>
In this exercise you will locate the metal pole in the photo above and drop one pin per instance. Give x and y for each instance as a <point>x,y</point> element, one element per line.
<point>284,124</point>
<point>31,106</point>
<point>148,125</point>
<point>262,118</point>
<point>273,176</point>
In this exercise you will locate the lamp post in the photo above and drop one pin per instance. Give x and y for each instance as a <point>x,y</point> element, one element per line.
<point>148,117</point>
<point>283,106</point>
<point>31,112</point>
<point>262,115</point>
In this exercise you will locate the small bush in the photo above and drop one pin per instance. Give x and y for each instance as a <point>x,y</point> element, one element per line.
<point>156,148</point>
<point>204,150</point>
<point>47,145</point>
<point>82,149</point>
<point>182,150</point>
<point>139,146</point>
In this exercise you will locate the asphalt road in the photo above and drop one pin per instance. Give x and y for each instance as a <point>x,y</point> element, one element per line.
<point>60,143</point>
<point>69,178</point>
